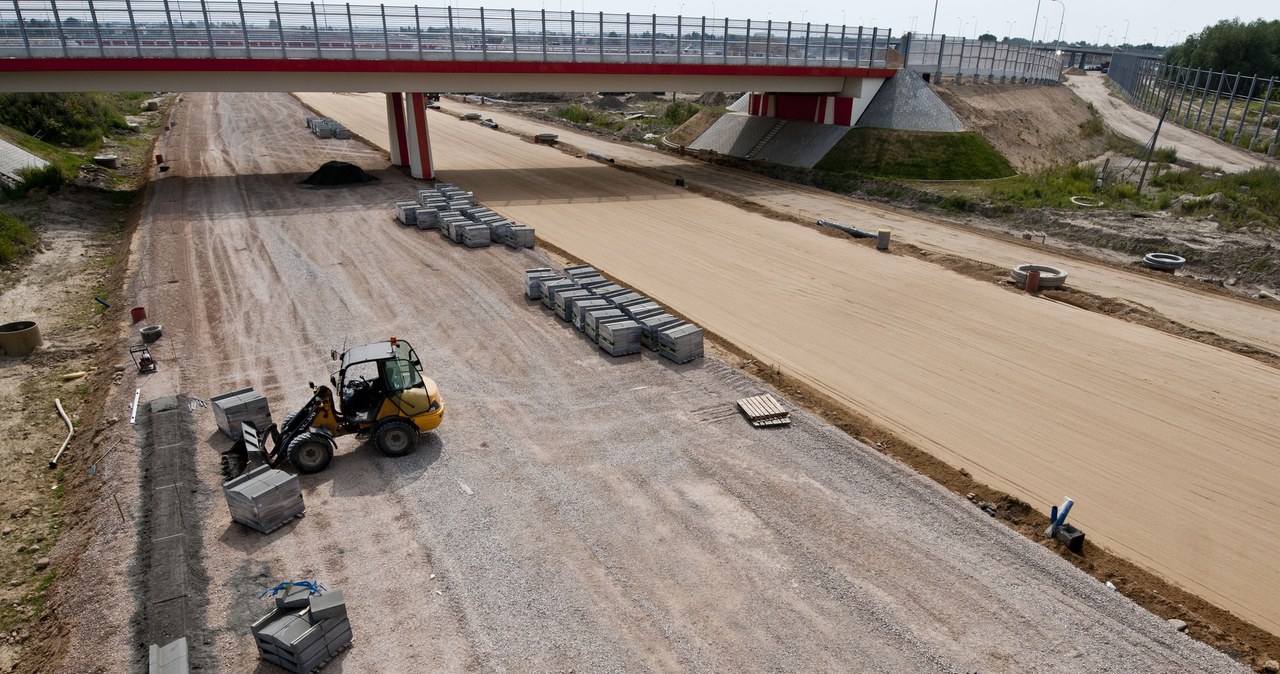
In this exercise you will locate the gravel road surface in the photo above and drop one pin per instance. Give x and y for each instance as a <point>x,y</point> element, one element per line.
<point>1035,398</point>
<point>1138,126</point>
<point>575,511</point>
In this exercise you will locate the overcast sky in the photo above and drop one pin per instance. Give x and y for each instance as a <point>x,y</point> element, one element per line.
<point>1157,21</point>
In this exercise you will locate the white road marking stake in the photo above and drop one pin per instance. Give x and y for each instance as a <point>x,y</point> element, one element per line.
<point>133,416</point>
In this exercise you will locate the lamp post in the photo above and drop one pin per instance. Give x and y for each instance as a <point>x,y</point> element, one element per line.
<point>1098,36</point>
<point>934,26</point>
<point>1125,39</point>
<point>1008,31</point>
<point>960,30</point>
<point>1062,19</point>
<point>1035,23</point>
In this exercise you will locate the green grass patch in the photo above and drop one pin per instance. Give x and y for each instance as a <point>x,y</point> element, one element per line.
<point>49,178</point>
<point>1055,187</point>
<point>74,119</point>
<point>16,238</point>
<point>580,114</point>
<point>916,155</point>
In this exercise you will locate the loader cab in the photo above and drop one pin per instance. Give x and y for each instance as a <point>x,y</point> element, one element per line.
<point>384,380</point>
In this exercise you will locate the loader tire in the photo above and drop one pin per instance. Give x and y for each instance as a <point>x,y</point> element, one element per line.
<point>395,436</point>
<point>310,452</point>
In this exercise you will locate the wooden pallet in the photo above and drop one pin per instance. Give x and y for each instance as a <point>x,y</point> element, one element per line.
<point>764,410</point>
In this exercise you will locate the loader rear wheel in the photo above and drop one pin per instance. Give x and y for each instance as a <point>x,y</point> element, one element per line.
<point>310,452</point>
<point>395,437</point>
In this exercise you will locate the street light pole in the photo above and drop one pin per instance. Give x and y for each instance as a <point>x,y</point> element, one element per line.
<point>1035,23</point>
<point>1061,19</point>
<point>1125,40</point>
<point>934,26</point>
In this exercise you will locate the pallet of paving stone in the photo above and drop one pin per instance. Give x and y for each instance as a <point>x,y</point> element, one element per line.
<point>645,306</point>
<point>621,299</point>
<point>172,658</point>
<point>303,638</point>
<point>426,218</point>
<point>456,229</point>
<point>476,236</point>
<point>764,410</point>
<point>580,309</point>
<point>264,498</point>
<point>651,324</point>
<point>547,287</point>
<point>407,212</point>
<point>576,270</point>
<point>679,343</point>
<point>230,409</point>
<point>519,236</point>
<point>620,339</point>
<point>532,289</point>
<point>564,302</point>
<point>595,319</point>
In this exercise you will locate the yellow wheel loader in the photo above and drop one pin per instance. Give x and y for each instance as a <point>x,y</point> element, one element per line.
<point>382,394</point>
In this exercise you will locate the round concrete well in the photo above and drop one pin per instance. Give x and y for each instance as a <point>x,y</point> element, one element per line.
<point>19,338</point>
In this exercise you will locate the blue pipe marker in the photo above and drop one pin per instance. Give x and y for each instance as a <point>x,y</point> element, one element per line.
<point>103,302</point>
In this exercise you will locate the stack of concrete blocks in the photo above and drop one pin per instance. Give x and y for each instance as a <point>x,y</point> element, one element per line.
<point>620,338</point>
<point>532,289</point>
<point>641,309</point>
<point>229,409</point>
<point>407,212</point>
<point>680,343</point>
<point>305,631</point>
<point>598,316</point>
<point>476,236</point>
<point>581,307</point>
<point>577,270</point>
<point>650,325</point>
<point>519,236</point>
<point>264,498</point>
<point>564,302</point>
<point>323,127</point>
<point>548,285</point>
<point>169,659</point>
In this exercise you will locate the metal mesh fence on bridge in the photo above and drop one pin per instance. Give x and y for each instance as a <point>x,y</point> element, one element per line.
<point>222,29</point>
<point>1232,107</point>
<point>958,58</point>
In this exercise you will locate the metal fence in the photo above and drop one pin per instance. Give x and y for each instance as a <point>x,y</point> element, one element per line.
<point>958,58</point>
<point>1231,107</point>
<point>221,29</point>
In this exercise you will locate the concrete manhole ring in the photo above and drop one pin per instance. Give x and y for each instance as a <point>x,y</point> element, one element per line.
<point>151,333</point>
<point>1087,202</point>
<point>1164,261</point>
<point>1050,277</point>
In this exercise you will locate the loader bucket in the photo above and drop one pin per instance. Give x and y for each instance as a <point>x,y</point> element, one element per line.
<point>245,454</point>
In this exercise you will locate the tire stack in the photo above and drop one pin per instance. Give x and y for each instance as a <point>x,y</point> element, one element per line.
<point>617,319</point>
<point>304,631</point>
<point>264,498</point>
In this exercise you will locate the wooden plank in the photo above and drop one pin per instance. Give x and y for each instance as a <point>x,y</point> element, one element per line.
<point>764,410</point>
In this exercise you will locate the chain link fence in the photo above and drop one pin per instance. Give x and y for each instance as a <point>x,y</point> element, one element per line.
<point>1232,107</point>
<point>958,58</point>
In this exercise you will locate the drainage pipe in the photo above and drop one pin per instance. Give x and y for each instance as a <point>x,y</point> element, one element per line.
<point>71,431</point>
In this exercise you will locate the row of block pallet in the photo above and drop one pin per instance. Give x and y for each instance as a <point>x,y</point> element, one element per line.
<point>304,631</point>
<point>455,214</point>
<point>618,319</point>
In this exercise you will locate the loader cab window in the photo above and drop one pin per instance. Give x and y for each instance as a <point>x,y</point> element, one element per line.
<point>361,388</point>
<point>400,375</point>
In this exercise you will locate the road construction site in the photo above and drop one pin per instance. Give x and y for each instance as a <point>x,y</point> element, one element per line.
<point>577,511</point>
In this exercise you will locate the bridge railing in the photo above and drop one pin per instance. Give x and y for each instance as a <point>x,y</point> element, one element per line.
<point>958,58</point>
<point>324,30</point>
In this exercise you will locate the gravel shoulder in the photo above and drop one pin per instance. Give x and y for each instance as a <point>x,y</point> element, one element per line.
<point>575,511</point>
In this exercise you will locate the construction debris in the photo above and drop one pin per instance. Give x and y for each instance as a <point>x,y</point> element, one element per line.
<point>307,628</point>
<point>230,409</point>
<point>264,498</point>
<point>764,410</point>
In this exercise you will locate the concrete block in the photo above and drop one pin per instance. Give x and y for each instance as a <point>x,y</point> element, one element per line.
<point>328,605</point>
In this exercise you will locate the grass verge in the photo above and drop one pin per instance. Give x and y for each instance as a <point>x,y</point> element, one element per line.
<point>916,155</point>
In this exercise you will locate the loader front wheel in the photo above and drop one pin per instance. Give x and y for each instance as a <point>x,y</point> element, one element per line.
<point>310,453</point>
<point>395,437</point>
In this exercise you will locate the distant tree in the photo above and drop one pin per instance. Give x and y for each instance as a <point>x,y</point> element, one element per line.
<point>1248,48</point>
<point>987,37</point>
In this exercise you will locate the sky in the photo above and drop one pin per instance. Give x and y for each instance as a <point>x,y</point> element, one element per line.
<point>1160,22</point>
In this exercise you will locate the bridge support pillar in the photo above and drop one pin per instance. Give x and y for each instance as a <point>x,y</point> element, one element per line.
<point>420,164</point>
<point>396,127</point>
<point>842,108</point>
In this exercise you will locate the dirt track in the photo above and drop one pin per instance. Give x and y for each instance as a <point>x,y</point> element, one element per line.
<point>1138,126</point>
<point>1144,427</point>
<point>577,511</point>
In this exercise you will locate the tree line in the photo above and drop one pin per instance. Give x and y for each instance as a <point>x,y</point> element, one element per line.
<point>1232,46</point>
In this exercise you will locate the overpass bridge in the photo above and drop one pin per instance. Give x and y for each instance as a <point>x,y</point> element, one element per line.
<point>814,72</point>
